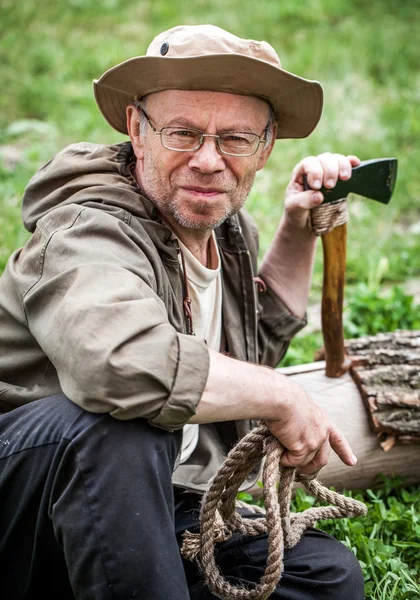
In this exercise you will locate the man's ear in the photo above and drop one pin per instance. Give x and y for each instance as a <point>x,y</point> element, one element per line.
<point>133,128</point>
<point>268,149</point>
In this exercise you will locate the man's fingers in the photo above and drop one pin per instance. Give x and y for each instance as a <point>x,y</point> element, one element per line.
<point>354,160</point>
<point>330,168</point>
<point>303,201</point>
<point>320,460</point>
<point>341,446</point>
<point>288,459</point>
<point>308,462</point>
<point>344,167</point>
<point>325,169</point>
<point>312,167</point>
<point>346,163</point>
<point>311,462</point>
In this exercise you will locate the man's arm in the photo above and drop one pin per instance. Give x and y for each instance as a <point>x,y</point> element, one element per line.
<point>90,296</point>
<point>239,390</point>
<point>288,264</point>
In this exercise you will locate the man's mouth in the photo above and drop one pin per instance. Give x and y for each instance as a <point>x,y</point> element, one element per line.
<point>203,192</point>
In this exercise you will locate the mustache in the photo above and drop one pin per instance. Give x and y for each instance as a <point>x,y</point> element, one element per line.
<point>213,181</point>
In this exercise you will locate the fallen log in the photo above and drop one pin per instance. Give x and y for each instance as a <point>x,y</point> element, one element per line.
<point>386,369</point>
<point>382,387</point>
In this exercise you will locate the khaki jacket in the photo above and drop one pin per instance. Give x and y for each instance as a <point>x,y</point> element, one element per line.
<point>92,306</point>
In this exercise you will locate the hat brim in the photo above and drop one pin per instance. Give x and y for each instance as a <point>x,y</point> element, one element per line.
<point>297,102</point>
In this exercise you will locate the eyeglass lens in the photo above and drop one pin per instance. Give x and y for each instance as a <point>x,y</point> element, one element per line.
<point>175,138</point>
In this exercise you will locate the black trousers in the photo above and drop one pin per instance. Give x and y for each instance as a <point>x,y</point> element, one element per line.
<point>88,512</point>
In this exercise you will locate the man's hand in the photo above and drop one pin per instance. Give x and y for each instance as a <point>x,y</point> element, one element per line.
<point>237,390</point>
<point>307,433</point>
<point>322,170</point>
<point>287,266</point>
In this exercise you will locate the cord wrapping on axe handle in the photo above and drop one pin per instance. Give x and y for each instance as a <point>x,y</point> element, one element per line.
<point>219,519</point>
<point>327,216</point>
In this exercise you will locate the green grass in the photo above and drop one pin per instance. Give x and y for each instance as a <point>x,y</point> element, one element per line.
<point>385,541</point>
<point>366,56</point>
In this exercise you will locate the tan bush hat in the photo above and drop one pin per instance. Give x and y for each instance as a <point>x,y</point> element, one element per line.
<point>205,57</point>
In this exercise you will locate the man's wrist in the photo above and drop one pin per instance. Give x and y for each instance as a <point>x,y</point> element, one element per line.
<point>237,390</point>
<point>288,228</point>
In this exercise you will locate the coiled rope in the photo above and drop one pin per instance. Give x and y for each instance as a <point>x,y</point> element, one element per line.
<point>219,519</point>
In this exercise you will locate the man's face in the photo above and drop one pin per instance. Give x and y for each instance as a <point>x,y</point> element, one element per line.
<point>198,190</point>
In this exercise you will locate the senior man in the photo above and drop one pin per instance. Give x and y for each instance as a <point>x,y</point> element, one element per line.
<point>138,337</point>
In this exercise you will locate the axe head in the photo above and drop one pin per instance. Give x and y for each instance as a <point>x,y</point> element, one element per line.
<point>374,179</point>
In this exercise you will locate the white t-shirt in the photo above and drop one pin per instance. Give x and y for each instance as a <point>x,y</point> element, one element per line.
<point>205,289</point>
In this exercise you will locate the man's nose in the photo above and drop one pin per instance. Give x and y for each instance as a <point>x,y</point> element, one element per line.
<point>208,158</point>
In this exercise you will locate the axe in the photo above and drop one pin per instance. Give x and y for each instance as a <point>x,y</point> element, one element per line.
<point>374,179</point>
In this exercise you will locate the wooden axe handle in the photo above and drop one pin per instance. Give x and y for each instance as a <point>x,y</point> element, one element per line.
<point>334,248</point>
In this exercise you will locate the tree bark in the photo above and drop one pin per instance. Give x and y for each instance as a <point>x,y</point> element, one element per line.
<point>386,370</point>
<point>342,401</point>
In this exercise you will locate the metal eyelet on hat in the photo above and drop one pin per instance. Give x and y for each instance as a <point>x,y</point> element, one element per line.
<point>164,48</point>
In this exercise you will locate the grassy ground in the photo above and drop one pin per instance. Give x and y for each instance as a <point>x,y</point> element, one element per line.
<point>366,56</point>
<point>385,541</point>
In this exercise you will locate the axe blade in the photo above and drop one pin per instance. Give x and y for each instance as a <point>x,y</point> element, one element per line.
<point>374,179</point>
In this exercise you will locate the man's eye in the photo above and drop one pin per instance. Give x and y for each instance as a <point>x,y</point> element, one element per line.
<point>232,137</point>
<point>183,133</point>
<point>238,141</point>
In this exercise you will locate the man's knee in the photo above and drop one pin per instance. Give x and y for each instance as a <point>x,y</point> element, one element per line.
<point>333,569</point>
<point>347,572</point>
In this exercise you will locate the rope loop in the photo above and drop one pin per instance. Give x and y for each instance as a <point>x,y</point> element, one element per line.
<point>219,518</point>
<point>327,216</point>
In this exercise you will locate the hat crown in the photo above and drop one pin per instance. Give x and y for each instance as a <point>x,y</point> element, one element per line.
<point>199,40</point>
<point>206,57</point>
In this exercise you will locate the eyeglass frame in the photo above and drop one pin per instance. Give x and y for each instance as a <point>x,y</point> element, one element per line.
<point>204,135</point>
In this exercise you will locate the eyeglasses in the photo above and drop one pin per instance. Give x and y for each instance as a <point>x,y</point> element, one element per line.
<point>232,143</point>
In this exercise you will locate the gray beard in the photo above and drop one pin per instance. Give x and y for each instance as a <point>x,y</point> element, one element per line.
<point>187,223</point>
<point>166,206</point>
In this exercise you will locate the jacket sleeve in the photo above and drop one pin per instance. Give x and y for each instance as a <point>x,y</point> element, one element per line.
<point>92,303</point>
